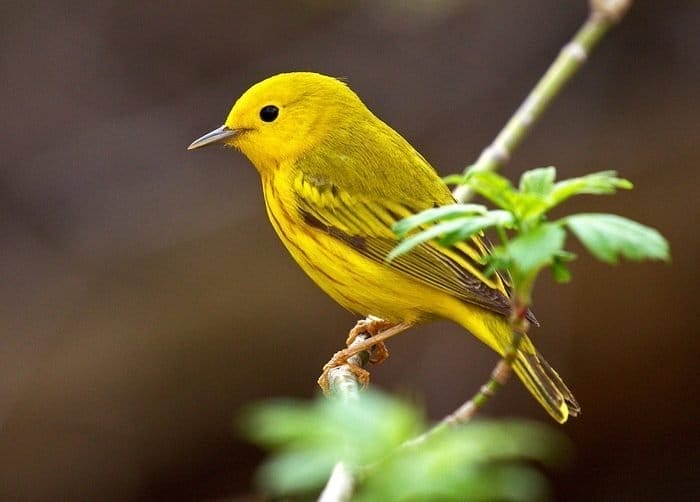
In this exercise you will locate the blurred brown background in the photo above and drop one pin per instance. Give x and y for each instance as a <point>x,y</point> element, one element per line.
<point>144,297</point>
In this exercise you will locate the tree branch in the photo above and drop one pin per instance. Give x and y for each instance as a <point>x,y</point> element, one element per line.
<point>342,381</point>
<point>499,377</point>
<point>603,14</point>
<point>340,485</point>
<point>343,384</point>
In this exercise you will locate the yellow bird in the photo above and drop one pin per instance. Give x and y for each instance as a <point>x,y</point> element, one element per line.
<point>335,179</point>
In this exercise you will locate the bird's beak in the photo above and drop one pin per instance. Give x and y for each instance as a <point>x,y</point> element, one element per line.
<point>216,136</point>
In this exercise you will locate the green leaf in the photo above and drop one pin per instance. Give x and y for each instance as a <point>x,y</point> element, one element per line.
<point>601,183</point>
<point>493,187</point>
<point>275,422</point>
<point>560,272</point>
<point>608,236</point>
<point>314,436</point>
<point>476,224</point>
<point>455,179</point>
<point>403,227</point>
<point>428,234</point>
<point>481,459</point>
<point>529,208</point>
<point>295,471</point>
<point>530,204</point>
<point>532,250</point>
<point>498,259</point>
<point>538,181</point>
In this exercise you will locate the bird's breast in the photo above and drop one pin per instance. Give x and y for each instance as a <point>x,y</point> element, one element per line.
<point>359,284</point>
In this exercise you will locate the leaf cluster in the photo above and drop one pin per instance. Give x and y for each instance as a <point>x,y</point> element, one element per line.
<point>528,240</point>
<point>486,460</point>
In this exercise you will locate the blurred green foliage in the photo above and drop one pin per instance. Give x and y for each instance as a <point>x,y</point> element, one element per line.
<point>483,460</point>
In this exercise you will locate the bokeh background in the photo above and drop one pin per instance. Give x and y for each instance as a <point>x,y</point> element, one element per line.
<point>144,297</point>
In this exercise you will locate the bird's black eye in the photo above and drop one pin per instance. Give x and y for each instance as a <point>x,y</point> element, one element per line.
<point>269,113</point>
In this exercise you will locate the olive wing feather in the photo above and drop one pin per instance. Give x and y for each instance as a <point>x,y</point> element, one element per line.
<point>364,223</point>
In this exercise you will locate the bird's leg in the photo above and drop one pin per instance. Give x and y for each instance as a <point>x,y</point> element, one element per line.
<point>341,357</point>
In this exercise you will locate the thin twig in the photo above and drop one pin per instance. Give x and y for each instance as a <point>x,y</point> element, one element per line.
<point>342,381</point>
<point>340,485</point>
<point>499,377</point>
<point>343,384</point>
<point>602,15</point>
<point>519,326</point>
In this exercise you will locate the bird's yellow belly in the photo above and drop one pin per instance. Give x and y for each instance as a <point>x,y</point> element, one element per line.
<point>359,284</point>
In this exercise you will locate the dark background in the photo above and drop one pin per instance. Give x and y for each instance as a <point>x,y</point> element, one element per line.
<point>144,297</point>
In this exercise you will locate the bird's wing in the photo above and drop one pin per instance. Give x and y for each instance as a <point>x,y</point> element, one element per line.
<point>363,221</point>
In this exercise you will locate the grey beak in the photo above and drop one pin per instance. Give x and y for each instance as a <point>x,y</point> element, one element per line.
<point>216,136</point>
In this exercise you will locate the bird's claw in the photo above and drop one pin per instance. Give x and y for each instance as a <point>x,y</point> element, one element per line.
<point>378,352</point>
<point>371,326</point>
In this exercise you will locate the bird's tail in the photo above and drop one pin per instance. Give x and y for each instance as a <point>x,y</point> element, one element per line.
<point>538,376</point>
<point>544,383</point>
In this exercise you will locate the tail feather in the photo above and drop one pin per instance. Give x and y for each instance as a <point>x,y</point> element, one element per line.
<point>545,384</point>
<point>538,376</point>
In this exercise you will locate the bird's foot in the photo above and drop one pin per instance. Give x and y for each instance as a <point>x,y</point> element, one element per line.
<point>378,331</point>
<point>371,326</point>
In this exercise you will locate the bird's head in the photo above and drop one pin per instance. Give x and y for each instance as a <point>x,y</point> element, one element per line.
<point>284,116</point>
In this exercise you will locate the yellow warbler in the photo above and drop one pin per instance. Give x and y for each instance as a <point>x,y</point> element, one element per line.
<point>335,179</point>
